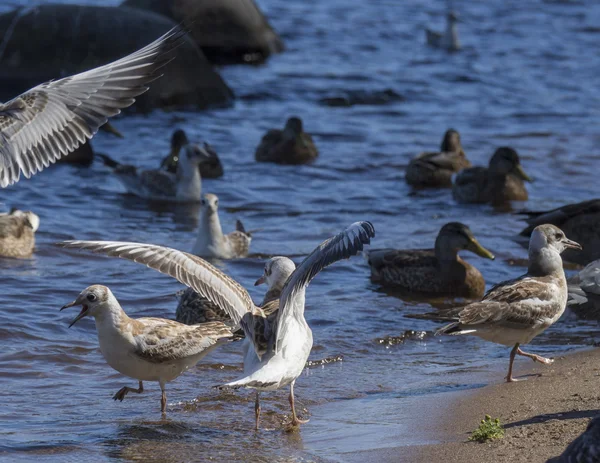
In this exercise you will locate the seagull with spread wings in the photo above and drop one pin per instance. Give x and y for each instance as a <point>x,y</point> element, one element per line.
<point>49,121</point>
<point>278,339</point>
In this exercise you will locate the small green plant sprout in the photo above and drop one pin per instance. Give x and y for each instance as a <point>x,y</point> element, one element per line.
<point>489,429</point>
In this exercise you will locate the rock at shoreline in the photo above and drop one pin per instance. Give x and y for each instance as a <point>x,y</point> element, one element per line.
<point>52,41</point>
<point>228,31</point>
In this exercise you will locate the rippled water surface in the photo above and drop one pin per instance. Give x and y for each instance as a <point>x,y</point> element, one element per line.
<point>527,77</point>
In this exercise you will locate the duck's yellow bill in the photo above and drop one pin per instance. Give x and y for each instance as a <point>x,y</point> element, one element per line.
<point>521,173</point>
<point>480,250</point>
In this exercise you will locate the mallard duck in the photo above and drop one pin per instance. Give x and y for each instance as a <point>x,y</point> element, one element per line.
<point>581,221</point>
<point>17,233</point>
<point>210,167</point>
<point>158,184</point>
<point>447,40</point>
<point>501,182</point>
<point>435,169</point>
<point>288,146</point>
<point>438,272</point>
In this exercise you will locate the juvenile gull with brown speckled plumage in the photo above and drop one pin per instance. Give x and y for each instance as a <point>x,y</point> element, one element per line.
<point>516,311</point>
<point>146,349</point>
<point>278,340</point>
<point>17,233</point>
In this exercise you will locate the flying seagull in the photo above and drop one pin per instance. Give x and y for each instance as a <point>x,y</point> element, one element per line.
<point>49,121</point>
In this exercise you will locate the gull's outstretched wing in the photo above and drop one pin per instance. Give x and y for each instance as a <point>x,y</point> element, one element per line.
<point>342,246</point>
<point>188,269</point>
<point>49,121</point>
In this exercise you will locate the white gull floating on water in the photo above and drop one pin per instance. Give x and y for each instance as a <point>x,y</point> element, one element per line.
<point>211,242</point>
<point>516,311</point>
<point>183,186</point>
<point>448,40</point>
<point>146,349</point>
<point>49,121</point>
<point>278,344</point>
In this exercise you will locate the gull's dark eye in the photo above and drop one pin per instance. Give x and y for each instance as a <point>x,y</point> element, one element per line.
<point>203,202</point>
<point>217,202</point>
<point>558,236</point>
<point>267,271</point>
<point>91,297</point>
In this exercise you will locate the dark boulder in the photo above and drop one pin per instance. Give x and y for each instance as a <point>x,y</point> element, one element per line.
<point>53,41</point>
<point>227,31</point>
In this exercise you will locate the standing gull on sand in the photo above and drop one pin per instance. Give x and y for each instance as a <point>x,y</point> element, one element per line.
<point>146,349</point>
<point>49,121</point>
<point>17,233</point>
<point>516,311</point>
<point>279,343</point>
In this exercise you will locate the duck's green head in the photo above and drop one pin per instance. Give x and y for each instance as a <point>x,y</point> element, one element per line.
<point>506,161</point>
<point>458,236</point>
<point>451,142</point>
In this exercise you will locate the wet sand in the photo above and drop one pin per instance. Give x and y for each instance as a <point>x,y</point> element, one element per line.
<point>541,416</point>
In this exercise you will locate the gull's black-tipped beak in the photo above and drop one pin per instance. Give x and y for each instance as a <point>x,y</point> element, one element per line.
<point>70,304</point>
<point>83,313</point>
<point>572,244</point>
<point>260,281</point>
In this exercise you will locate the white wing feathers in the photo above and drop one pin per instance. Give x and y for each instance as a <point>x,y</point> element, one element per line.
<point>342,246</point>
<point>186,268</point>
<point>53,119</point>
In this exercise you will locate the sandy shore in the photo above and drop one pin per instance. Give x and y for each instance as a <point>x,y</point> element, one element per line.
<point>541,416</point>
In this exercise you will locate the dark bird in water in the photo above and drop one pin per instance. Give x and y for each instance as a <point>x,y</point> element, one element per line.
<point>435,169</point>
<point>292,145</point>
<point>438,272</point>
<point>581,221</point>
<point>501,182</point>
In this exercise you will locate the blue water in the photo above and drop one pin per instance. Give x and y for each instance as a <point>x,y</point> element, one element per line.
<point>526,77</point>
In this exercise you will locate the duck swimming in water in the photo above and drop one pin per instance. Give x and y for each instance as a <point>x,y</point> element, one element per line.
<point>435,169</point>
<point>501,182</point>
<point>288,146</point>
<point>438,272</point>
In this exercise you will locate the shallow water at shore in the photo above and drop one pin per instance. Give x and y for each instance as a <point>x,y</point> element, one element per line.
<point>523,79</point>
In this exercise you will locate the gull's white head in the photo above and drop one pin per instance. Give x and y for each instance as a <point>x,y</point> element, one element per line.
<point>94,300</point>
<point>546,244</point>
<point>32,219</point>
<point>210,203</point>
<point>277,271</point>
<point>193,155</point>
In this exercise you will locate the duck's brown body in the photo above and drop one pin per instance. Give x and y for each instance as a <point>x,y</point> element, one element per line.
<point>420,271</point>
